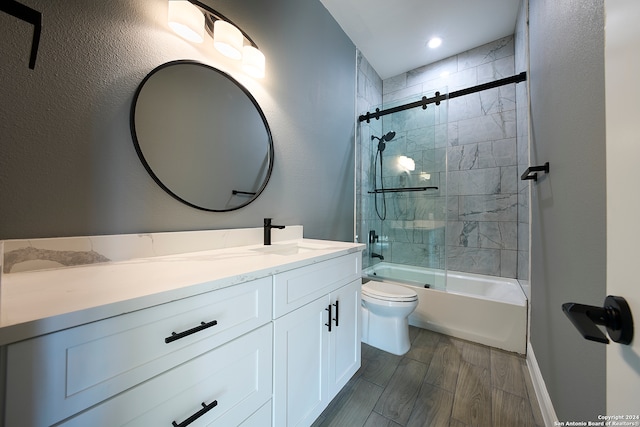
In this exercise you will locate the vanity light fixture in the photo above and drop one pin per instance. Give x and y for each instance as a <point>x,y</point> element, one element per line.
<point>186,20</point>
<point>228,39</point>
<point>253,61</point>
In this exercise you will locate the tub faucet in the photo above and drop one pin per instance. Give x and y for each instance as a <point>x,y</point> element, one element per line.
<point>375,255</point>
<point>267,230</point>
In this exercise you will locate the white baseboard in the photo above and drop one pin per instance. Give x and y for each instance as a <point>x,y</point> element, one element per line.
<point>546,406</point>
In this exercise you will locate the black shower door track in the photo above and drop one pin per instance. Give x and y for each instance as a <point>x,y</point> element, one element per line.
<point>443,97</point>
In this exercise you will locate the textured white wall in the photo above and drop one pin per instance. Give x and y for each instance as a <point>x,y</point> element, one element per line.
<point>68,165</point>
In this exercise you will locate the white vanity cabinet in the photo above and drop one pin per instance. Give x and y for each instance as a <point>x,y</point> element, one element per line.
<point>238,336</point>
<point>220,388</point>
<point>316,337</point>
<point>176,349</point>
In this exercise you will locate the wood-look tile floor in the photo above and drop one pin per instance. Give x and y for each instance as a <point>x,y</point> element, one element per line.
<point>441,381</point>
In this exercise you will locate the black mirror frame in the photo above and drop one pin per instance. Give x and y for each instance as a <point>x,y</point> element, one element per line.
<point>148,167</point>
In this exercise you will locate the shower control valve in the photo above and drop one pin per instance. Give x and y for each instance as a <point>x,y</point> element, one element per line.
<point>373,237</point>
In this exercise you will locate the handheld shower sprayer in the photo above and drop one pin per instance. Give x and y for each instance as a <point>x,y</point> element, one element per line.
<point>384,138</point>
<point>381,146</point>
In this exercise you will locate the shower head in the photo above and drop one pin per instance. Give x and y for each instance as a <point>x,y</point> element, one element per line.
<point>384,138</point>
<point>389,136</point>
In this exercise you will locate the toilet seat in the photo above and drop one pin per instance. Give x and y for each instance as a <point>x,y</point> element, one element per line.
<point>388,292</point>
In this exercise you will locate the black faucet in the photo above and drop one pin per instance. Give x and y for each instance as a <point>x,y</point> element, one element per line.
<point>267,230</point>
<point>375,255</point>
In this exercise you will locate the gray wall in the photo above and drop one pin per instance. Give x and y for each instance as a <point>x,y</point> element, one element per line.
<point>568,252</point>
<point>67,162</point>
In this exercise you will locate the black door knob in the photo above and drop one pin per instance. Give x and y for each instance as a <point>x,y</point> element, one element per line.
<point>615,315</point>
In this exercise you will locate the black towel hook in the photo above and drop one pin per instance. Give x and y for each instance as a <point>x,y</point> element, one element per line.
<point>532,172</point>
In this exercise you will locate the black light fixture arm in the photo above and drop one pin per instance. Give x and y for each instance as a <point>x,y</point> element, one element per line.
<point>31,16</point>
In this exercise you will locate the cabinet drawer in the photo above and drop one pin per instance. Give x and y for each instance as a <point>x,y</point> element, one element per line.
<point>260,418</point>
<point>295,288</point>
<point>237,376</point>
<point>55,376</point>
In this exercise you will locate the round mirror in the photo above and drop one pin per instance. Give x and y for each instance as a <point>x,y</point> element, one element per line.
<point>202,136</point>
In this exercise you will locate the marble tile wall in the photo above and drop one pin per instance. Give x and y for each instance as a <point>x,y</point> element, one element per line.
<point>480,132</point>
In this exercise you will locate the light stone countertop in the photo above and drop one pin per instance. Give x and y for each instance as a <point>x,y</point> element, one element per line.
<point>39,302</point>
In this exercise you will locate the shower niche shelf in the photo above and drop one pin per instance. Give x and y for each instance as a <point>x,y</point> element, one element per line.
<point>401,189</point>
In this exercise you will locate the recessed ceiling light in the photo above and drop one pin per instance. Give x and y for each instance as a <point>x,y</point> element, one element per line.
<point>434,42</point>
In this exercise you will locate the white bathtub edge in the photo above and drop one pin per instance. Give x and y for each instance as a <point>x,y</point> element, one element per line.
<point>483,320</point>
<point>511,345</point>
<point>544,400</point>
<point>459,333</point>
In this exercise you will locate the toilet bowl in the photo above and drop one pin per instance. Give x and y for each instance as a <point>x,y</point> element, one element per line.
<point>385,308</point>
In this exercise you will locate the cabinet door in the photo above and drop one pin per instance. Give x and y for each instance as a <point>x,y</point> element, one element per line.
<point>300,364</point>
<point>344,339</point>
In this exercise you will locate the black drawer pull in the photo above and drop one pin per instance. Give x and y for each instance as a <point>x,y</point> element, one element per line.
<point>205,408</point>
<point>337,312</point>
<point>176,336</point>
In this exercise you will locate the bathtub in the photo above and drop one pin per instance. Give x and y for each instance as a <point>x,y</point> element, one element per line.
<point>484,309</point>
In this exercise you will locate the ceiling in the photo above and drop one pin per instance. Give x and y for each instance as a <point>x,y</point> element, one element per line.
<point>393,35</point>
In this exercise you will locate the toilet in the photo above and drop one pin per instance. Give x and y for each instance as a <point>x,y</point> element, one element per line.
<point>385,308</point>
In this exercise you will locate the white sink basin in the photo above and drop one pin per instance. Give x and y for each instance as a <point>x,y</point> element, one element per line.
<point>291,248</point>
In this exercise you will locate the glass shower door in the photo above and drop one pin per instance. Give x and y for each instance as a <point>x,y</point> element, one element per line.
<point>402,194</point>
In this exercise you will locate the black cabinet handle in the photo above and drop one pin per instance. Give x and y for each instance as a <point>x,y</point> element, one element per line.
<point>205,408</point>
<point>615,315</point>
<point>328,324</point>
<point>337,312</point>
<point>176,336</point>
